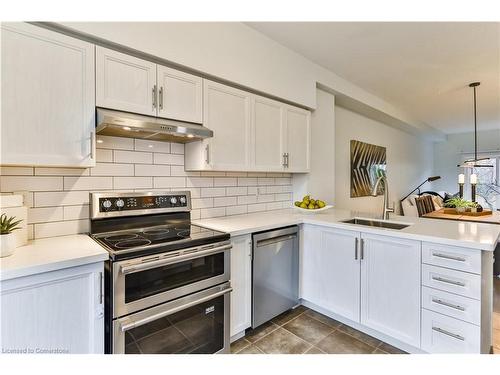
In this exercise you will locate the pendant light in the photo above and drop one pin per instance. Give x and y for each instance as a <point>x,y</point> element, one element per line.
<point>473,163</point>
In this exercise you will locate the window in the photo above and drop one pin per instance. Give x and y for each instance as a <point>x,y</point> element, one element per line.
<point>488,183</point>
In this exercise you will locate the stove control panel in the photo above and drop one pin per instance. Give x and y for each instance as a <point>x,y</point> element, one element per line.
<point>143,202</point>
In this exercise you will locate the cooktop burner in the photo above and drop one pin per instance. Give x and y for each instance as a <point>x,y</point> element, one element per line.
<point>127,244</point>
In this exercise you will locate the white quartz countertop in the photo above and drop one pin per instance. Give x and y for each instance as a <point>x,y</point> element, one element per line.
<point>50,254</point>
<point>478,236</point>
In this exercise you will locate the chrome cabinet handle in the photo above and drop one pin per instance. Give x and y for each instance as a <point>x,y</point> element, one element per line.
<point>287,159</point>
<point>450,257</point>
<point>362,249</point>
<point>126,269</point>
<point>101,292</point>
<point>448,333</point>
<point>356,240</point>
<point>134,324</point>
<point>154,96</point>
<point>207,156</point>
<point>284,160</point>
<point>92,145</point>
<point>447,304</point>
<point>447,281</point>
<point>161,97</point>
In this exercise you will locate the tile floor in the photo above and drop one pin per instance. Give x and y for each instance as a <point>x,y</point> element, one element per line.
<point>305,331</point>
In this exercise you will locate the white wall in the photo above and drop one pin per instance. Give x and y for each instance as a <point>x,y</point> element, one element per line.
<point>450,153</point>
<point>237,53</point>
<point>409,159</point>
<point>320,182</point>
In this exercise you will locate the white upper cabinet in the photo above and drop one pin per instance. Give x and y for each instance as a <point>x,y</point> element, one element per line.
<point>48,98</point>
<point>226,112</point>
<point>390,287</point>
<point>179,95</point>
<point>298,139</point>
<point>251,133</point>
<point>268,134</point>
<point>124,82</point>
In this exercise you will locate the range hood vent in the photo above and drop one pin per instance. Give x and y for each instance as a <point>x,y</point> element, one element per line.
<point>123,124</point>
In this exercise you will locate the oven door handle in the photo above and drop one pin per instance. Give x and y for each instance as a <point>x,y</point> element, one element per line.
<point>126,324</point>
<point>174,259</point>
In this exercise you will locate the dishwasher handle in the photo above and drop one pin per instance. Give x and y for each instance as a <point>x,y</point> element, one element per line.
<point>273,240</point>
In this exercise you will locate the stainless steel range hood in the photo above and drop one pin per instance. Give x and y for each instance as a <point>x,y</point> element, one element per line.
<point>123,124</point>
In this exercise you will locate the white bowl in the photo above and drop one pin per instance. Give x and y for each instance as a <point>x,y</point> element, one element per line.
<point>305,210</point>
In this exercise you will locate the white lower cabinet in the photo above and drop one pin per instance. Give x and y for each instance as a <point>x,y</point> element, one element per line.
<point>241,282</point>
<point>55,312</point>
<point>390,286</point>
<point>330,270</point>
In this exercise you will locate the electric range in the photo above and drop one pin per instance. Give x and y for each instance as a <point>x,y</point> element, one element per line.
<point>165,276</point>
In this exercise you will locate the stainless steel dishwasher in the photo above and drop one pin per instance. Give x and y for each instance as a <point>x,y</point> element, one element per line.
<point>275,273</point>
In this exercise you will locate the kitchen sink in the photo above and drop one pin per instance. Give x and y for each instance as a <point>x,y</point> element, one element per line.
<point>376,223</point>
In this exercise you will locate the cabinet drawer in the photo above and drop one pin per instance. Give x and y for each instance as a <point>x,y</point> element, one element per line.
<point>442,334</point>
<point>459,307</point>
<point>457,258</point>
<point>462,283</point>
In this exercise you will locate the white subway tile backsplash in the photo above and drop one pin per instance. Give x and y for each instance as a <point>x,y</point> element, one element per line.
<point>61,228</point>
<point>199,181</point>
<point>59,197</point>
<point>30,183</point>
<point>171,159</point>
<point>16,171</point>
<point>135,157</point>
<point>152,146</point>
<point>88,183</point>
<point>45,214</point>
<point>152,170</point>
<point>112,169</point>
<point>133,182</point>
<point>213,192</point>
<point>169,182</point>
<point>115,143</point>
<point>104,156</point>
<point>225,201</point>
<point>177,148</point>
<point>63,198</point>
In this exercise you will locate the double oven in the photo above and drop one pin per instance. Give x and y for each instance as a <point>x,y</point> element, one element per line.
<point>167,281</point>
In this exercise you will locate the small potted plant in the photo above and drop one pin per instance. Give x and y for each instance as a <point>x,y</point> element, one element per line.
<point>460,204</point>
<point>7,240</point>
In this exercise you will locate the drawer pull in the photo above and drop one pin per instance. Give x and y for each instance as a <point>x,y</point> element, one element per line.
<point>450,257</point>
<point>445,332</point>
<point>447,304</point>
<point>458,283</point>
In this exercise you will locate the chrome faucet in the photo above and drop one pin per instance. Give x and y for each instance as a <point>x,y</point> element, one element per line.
<point>387,209</point>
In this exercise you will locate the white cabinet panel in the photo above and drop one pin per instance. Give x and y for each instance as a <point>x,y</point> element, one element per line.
<point>227,114</point>
<point>454,257</point>
<point>462,283</point>
<point>268,134</point>
<point>179,95</point>
<point>298,139</point>
<point>450,304</point>
<point>241,282</point>
<point>48,98</point>
<point>331,271</point>
<point>390,287</point>
<point>60,310</point>
<point>124,82</point>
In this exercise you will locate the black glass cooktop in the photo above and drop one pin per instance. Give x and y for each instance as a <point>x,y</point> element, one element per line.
<point>159,238</point>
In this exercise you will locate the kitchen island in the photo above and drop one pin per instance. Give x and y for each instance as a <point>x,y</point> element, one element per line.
<point>425,288</point>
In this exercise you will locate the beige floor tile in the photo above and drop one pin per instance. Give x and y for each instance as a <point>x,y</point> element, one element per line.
<point>323,318</point>
<point>239,344</point>
<point>308,328</point>
<point>251,349</point>
<point>360,335</point>
<point>289,315</point>
<point>341,343</point>
<point>260,332</point>
<point>390,349</point>
<point>281,341</point>
<point>314,350</point>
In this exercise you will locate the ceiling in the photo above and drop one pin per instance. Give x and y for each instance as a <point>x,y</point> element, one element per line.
<point>423,68</point>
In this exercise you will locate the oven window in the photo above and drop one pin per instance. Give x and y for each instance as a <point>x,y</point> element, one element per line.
<point>146,283</point>
<point>197,330</point>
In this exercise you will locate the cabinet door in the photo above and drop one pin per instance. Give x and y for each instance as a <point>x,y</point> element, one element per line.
<point>298,139</point>
<point>227,114</point>
<point>48,114</point>
<point>61,310</point>
<point>125,82</point>
<point>268,134</point>
<point>331,270</point>
<point>390,287</point>
<point>241,282</point>
<point>179,95</point>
